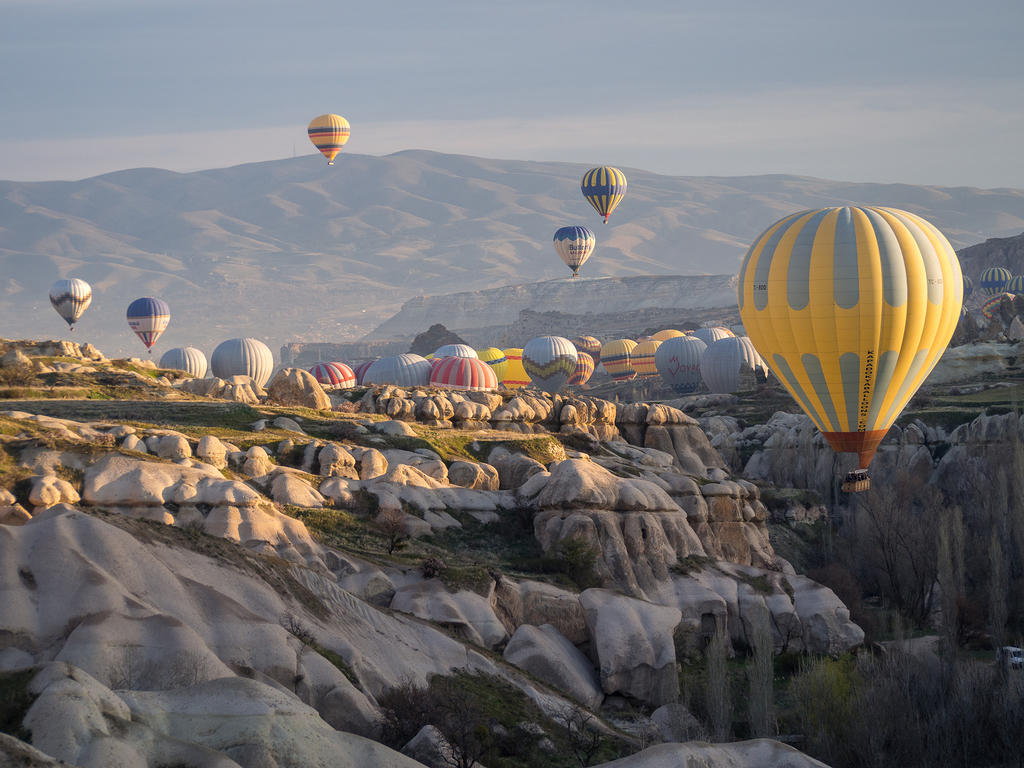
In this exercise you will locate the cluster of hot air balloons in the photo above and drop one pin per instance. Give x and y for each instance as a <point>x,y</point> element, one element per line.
<point>147,317</point>
<point>232,357</point>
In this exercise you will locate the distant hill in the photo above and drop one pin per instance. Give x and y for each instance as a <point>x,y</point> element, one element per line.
<point>996,252</point>
<point>295,250</point>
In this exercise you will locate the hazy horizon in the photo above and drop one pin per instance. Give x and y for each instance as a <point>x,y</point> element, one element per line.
<point>914,93</point>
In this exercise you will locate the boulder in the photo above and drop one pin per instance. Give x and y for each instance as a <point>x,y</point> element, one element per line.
<point>468,614</point>
<point>676,724</point>
<point>290,488</point>
<point>546,654</point>
<point>827,628</point>
<point>335,461</point>
<point>756,753</point>
<point>288,425</point>
<point>48,490</point>
<point>257,462</point>
<point>576,483</point>
<point>633,641</point>
<point>211,450</point>
<point>468,474</point>
<point>514,469</point>
<point>14,514</point>
<point>394,429</point>
<point>431,748</point>
<point>173,447</point>
<point>294,386</point>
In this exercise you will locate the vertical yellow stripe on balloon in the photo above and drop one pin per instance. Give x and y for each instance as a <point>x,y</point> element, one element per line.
<point>869,271</point>
<point>821,299</point>
<point>914,326</point>
<point>791,328</point>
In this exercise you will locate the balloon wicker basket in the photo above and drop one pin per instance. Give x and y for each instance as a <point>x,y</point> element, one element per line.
<point>856,481</point>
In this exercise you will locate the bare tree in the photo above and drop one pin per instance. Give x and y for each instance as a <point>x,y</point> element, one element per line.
<point>761,675</point>
<point>391,524</point>
<point>897,549</point>
<point>717,695</point>
<point>579,727</point>
<point>997,583</point>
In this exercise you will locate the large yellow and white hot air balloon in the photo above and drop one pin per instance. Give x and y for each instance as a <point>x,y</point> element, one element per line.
<point>329,134</point>
<point>851,308</point>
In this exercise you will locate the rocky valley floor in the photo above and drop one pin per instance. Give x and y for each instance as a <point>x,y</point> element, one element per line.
<point>216,574</point>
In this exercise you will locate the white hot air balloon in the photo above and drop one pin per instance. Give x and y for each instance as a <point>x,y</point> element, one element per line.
<point>188,359</point>
<point>406,370</point>
<point>243,357</point>
<point>725,360</point>
<point>71,298</point>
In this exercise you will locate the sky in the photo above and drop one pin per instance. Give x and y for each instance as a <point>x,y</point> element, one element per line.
<point>897,91</point>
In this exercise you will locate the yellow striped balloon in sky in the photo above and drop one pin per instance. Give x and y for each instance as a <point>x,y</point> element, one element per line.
<point>604,189</point>
<point>851,308</point>
<point>329,134</point>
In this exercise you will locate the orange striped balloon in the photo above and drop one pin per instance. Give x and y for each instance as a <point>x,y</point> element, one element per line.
<point>329,134</point>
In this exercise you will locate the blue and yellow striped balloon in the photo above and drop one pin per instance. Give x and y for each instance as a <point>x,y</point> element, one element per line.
<point>1015,285</point>
<point>994,280</point>
<point>604,189</point>
<point>329,134</point>
<point>851,308</point>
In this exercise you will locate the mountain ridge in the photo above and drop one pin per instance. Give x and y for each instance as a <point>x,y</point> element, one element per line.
<point>291,249</point>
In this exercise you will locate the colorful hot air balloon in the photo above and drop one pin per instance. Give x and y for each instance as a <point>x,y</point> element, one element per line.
<point>710,335</point>
<point>590,345</point>
<point>667,334</point>
<point>725,361</point>
<point>329,134</point>
<point>992,305</point>
<point>994,280</point>
<point>584,369</point>
<point>615,359</point>
<point>467,373</point>
<point>336,375</point>
<point>188,359</point>
<point>361,369</point>
<point>604,189</point>
<point>71,298</point>
<point>148,317</point>
<point>243,357</point>
<point>1015,285</point>
<point>851,308</point>
<point>678,362</point>
<point>968,286</point>
<point>495,358</point>
<point>574,245</point>
<point>515,373</point>
<point>642,358</point>
<point>549,362</point>
<point>406,370</point>
<point>455,350</point>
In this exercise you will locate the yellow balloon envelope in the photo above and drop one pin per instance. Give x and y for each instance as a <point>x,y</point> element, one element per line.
<point>642,358</point>
<point>515,375</point>
<point>329,134</point>
<point>615,357</point>
<point>851,308</point>
<point>495,358</point>
<point>668,333</point>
